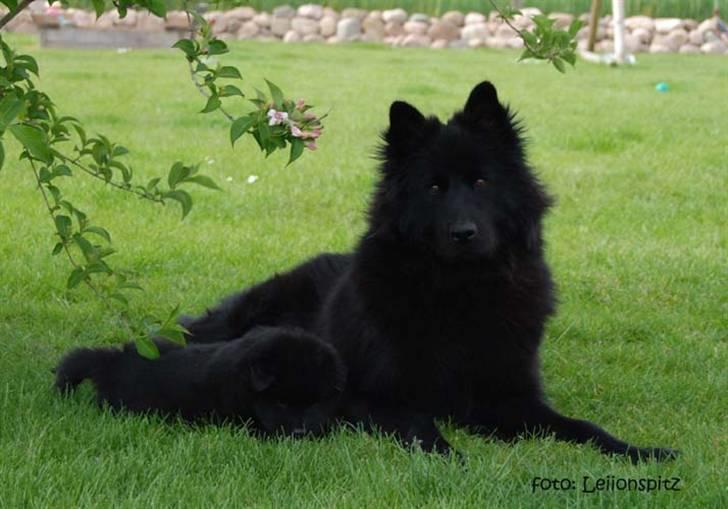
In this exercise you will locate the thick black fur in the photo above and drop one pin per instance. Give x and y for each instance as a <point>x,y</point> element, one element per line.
<point>440,310</point>
<point>280,380</point>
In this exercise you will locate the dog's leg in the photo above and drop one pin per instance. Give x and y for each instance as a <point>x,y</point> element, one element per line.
<point>510,420</point>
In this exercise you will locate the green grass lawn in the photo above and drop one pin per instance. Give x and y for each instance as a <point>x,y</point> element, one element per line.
<point>637,242</point>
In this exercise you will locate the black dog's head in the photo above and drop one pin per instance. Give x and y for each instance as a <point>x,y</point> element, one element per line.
<point>461,190</point>
<point>295,380</point>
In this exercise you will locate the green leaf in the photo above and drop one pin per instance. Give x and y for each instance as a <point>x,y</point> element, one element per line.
<point>2,155</point>
<point>228,71</point>
<point>240,126</point>
<point>569,57</point>
<point>101,232</point>
<point>27,62</point>
<point>183,198</point>
<point>188,46</point>
<point>61,171</point>
<point>157,8</point>
<point>296,150</point>
<point>10,107</point>
<point>64,226</point>
<point>264,131</point>
<point>230,90</point>
<point>216,47</point>
<point>276,94</point>
<point>119,150</point>
<point>88,250</point>
<point>178,173</point>
<point>81,133</point>
<point>129,286</point>
<point>213,103</point>
<point>57,248</point>
<point>575,27</point>
<point>120,298</point>
<point>559,64</point>
<point>98,7</point>
<point>34,140</point>
<point>529,38</point>
<point>78,275</point>
<point>98,267</point>
<point>174,335</point>
<point>204,181</point>
<point>146,347</point>
<point>11,4</point>
<point>44,175</point>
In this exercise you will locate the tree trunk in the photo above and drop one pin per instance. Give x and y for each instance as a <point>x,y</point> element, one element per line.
<point>594,23</point>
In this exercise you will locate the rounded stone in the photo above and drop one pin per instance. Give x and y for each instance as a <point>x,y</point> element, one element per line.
<point>312,11</point>
<point>284,11</point>
<point>472,18</point>
<point>475,31</point>
<point>394,29</point>
<point>279,25</point>
<point>262,19</point>
<point>416,41</point>
<point>394,16</point>
<point>348,28</point>
<point>248,30</point>
<point>443,30</point>
<point>327,26</point>
<point>241,13</point>
<point>415,27</point>
<point>305,26</point>
<point>418,16</point>
<point>292,36</point>
<point>689,49</point>
<point>457,18</point>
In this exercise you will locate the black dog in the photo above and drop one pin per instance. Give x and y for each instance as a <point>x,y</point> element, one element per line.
<point>282,380</point>
<point>440,311</point>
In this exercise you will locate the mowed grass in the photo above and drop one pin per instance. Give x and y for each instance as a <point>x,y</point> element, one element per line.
<point>637,242</point>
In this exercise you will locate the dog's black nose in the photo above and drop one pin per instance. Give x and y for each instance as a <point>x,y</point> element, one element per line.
<point>463,232</point>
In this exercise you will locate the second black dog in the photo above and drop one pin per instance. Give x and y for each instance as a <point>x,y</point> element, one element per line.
<point>281,380</point>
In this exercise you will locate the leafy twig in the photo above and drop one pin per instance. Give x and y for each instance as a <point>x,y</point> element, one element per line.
<point>193,75</point>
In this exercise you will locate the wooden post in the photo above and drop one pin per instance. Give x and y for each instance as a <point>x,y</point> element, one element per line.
<point>594,23</point>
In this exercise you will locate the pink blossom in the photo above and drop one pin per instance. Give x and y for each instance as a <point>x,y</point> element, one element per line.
<point>276,117</point>
<point>311,145</point>
<point>300,103</point>
<point>309,116</point>
<point>311,135</point>
<point>295,131</point>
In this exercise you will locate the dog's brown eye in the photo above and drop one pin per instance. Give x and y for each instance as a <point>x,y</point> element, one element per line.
<point>480,184</point>
<point>434,189</point>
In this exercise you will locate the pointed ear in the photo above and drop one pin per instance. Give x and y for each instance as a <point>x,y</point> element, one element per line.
<point>260,377</point>
<point>406,126</point>
<point>482,104</point>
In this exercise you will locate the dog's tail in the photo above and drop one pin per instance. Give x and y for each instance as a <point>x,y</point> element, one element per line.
<point>83,363</point>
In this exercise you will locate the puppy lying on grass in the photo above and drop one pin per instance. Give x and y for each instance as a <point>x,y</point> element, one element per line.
<point>280,380</point>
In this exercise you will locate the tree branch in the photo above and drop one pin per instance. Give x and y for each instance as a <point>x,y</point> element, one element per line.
<point>9,16</point>
<point>109,182</point>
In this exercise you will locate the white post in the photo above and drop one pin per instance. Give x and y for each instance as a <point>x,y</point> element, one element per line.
<point>618,25</point>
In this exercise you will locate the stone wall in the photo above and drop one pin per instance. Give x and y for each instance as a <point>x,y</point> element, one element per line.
<point>396,27</point>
